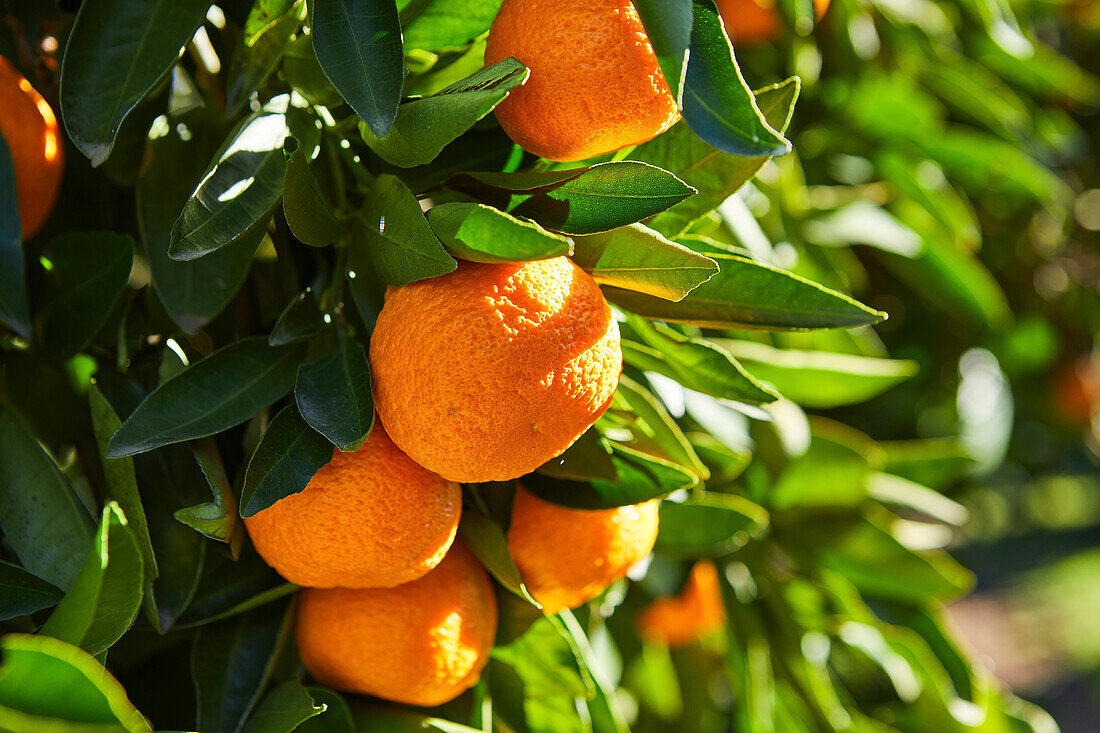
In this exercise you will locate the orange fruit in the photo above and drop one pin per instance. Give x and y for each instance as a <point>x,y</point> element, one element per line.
<point>371,518</point>
<point>568,556</point>
<point>749,22</point>
<point>488,372</point>
<point>595,83</point>
<point>1077,391</point>
<point>421,643</point>
<point>30,129</point>
<point>692,614</point>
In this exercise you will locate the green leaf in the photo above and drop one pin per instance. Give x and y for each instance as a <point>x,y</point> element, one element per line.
<point>229,587</point>
<point>196,291</point>
<point>641,477</point>
<point>308,214</point>
<point>288,455</point>
<point>89,273</point>
<point>748,295</point>
<point>818,379</point>
<point>900,492</point>
<point>300,320</point>
<point>401,244</point>
<point>487,541</point>
<point>22,593</point>
<point>834,471</point>
<point>366,285</point>
<point>240,188</point>
<point>695,363</point>
<point>117,50</point>
<point>588,458</point>
<point>14,310</point>
<point>588,200</point>
<point>638,258</point>
<point>232,661</point>
<point>480,233</point>
<point>449,25</point>
<point>223,390</point>
<point>217,519</point>
<point>121,478</point>
<point>717,103</point>
<point>423,127</point>
<point>715,525</point>
<point>304,74</point>
<point>263,16</point>
<point>46,684</point>
<point>715,174</point>
<point>359,47</point>
<point>936,462</point>
<point>337,715</point>
<point>862,222</point>
<point>255,58</point>
<point>655,431</point>
<point>668,26</point>
<point>334,396</point>
<point>41,517</point>
<point>105,597</point>
<point>283,710</point>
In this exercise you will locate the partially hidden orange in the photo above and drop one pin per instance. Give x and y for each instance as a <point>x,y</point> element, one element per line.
<point>371,518</point>
<point>568,556</point>
<point>595,84</point>
<point>30,129</point>
<point>690,615</point>
<point>486,373</point>
<point>421,643</point>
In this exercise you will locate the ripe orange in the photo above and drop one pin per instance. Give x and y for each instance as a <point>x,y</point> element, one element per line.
<point>692,614</point>
<point>595,84</point>
<point>421,643</point>
<point>30,129</point>
<point>569,556</point>
<point>488,372</point>
<point>756,21</point>
<point>371,518</point>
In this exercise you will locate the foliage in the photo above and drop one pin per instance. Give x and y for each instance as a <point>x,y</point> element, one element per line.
<point>203,294</point>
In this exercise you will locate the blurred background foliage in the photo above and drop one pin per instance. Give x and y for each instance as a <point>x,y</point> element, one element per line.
<point>945,170</point>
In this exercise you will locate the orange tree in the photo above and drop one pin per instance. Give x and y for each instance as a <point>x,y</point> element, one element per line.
<point>635,385</point>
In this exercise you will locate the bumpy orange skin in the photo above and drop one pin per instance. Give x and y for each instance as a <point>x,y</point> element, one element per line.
<point>749,22</point>
<point>689,616</point>
<point>595,83</point>
<point>569,556</point>
<point>371,518</point>
<point>30,129</point>
<point>488,372</point>
<point>421,643</point>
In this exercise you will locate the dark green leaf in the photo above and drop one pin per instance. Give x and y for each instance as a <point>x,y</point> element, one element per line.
<point>14,311</point>
<point>480,233</point>
<point>88,274</point>
<point>334,396</point>
<point>283,710</point>
<point>35,668</point>
<point>588,458</point>
<point>232,661</point>
<point>747,295</point>
<point>336,718</point>
<point>255,57</point>
<point>717,104</point>
<point>695,363</point>
<point>105,597</point>
<point>359,47</point>
<point>239,189</point>
<point>636,257</point>
<point>401,244</point>
<point>447,25</point>
<point>192,292</point>
<point>424,126</point>
<point>581,200</point>
<point>668,26</point>
<point>223,390</point>
<point>284,462</point>
<point>715,174</point>
<point>217,519</point>
<point>303,72</point>
<point>40,515</point>
<point>22,593</point>
<point>308,215</point>
<point>121,479</point>
<point>116,52</point>
<point>301,319</point>
<point>229,587</point>
<point>819,379</point>
<point>641,477</point>
<point>367,287</point>
<point>487,541</point>
<point>717,524</point>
